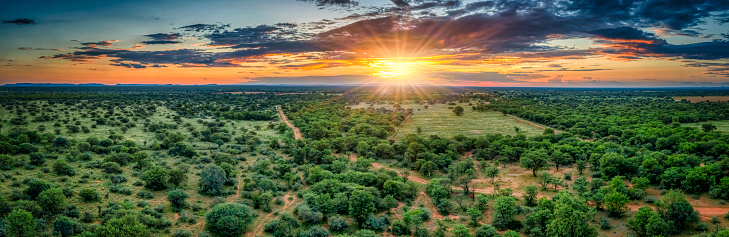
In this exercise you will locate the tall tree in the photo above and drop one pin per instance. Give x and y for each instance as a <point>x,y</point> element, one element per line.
<point>534,160</point>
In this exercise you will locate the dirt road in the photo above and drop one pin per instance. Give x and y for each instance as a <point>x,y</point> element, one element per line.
<point>297,132</point>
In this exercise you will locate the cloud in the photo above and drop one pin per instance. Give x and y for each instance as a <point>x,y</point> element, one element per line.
<point>343,3</point>
<point>105,43</point>
<point>21,21</point>
<point>204,27</point>
<point>162,38</point>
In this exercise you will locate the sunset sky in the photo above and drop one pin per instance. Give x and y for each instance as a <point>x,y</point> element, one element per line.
<point>557,43</point>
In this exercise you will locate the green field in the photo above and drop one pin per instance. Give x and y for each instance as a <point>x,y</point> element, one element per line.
<point>721,126</point>
<point>439,120</point>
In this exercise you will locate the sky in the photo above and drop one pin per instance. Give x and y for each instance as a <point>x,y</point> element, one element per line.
<point>514,43</point>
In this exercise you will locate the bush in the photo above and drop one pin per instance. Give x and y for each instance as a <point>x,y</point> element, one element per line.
<point>229,219</point>
<point>212,179</point>
<point>111,168</point>
<point>156,178</point>
<point>177,199</point>
<point>145,194</point>
<point>121,189</point>
<point>181,233</point>
<point>118,179</point>
<point>337,223</point>
<point>89,195</point>
<point>399,228</point>
<point>52,200</point>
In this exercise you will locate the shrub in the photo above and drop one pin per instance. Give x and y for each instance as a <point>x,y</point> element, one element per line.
<point>118,179</point>
<point>229,219</point>
<point>156,178</point>
<point>111,168</point>
<point>89,195</point>
<point>145,194</point>
<point>177,199</point>
<point>181,233</point>
<point>337,223</point>
<point>52,200</point>
<point>212,179</point>
<point>604,223</point>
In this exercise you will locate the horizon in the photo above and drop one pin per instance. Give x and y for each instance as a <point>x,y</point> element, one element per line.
<point>464,43</point>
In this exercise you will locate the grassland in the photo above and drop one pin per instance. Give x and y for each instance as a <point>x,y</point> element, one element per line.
<point>439,120</point>
<point>721,125</point>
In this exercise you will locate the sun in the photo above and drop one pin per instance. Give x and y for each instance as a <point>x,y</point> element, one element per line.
<point>391,68</point>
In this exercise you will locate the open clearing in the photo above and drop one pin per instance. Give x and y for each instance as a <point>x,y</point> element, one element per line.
<point>697,99</point>
<point>721,125</point>
<point>439,120</point>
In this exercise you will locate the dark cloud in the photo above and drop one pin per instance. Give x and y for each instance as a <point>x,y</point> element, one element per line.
<point>316,80</point>
<point>20,21</point>
<point>343,3</point>
<point>204,27</point>
<point>136,65</point>
<point>625,33</point>
<point>678,14</point>
<point>482,29</point>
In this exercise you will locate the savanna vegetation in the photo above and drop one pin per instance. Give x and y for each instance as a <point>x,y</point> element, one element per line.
<point>196,161</point>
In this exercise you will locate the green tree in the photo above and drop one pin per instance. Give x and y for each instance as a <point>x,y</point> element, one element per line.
<point>428,168</point>
<point>475,215</point>
<point>361,204</point>
<point>20,223</point>
<point>560,158</point>
<point>89,195</point>
<point>127,226</point>
<point>458,110</point>
<point>615,203</point>
<point>534,160</point>
<point>708,127</point>
<point>156,178</point>
<point>229,219</point>
<point>52,200</point>
<point>531,195</point>
<point>647,222</point>
<point>178,177</point>
<point>64,226</point>
<point>212,179</point>
<point>571,218</point>
<point>486,231</point>
<point>492,172</point>
<point>460,230</point>
<point>177,198</point>
<point>503,212</point>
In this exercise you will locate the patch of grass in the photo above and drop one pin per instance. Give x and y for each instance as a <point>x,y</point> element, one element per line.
<point>439,120</point>
<point>697,99</point>
<point>721,126</point>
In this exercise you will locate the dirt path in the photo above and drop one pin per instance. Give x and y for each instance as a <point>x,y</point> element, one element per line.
<point>258,230</point>
<point>297,132</point>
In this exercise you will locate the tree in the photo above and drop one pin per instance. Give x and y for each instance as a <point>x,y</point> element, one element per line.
<point>560,158</point>
<point>52,200</point>
<point>460,230</point>
<point>156,178</point>
<point>428,168</point>
<point>615,203</point>
<point>571,218</point>
<point>61,167</point>
<point>486,231</point>
<point>534,160</point>
<point>212,179</point>
<point>581,166</point>
<point>89,195</point>
<point>35,187</point>
<point>647,222</point>
<point>458,110</point>
<point>177,198</point>
<point>229,219</point>
<point>178,177</point>
<point>361,204</point>
<point>531,195</point>
<point>680,214</point>
<point>64,226</point>
<point>337,223</point>
<point>504,211</point>
<point>475,215</point>
<point>127,226</point>
<point>20,223</point>
<point>492,172</point>
<point>708,127</point>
